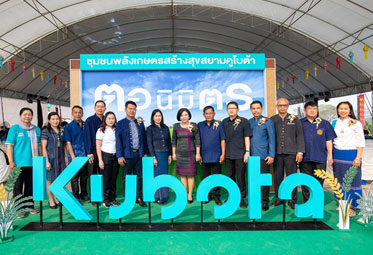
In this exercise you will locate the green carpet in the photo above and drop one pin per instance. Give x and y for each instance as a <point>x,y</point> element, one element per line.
<point>358,239</point>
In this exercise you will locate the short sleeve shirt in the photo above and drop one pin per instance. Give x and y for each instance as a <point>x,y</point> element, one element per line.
<point>108,139</point>
<point>315,138</point>
<point>74,134</point>
<point>22,153</point>
<point>235,132</point>
<point>211,136</point>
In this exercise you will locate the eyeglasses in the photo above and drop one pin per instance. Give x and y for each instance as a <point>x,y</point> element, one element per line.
<point>282,105</point>
<point>232,108</point>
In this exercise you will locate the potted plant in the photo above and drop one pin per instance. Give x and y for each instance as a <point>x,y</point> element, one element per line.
<point>11,208</point>
<point>340,192</point>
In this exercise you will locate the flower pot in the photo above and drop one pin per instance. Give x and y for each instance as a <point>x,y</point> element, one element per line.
<point>344,222</point>
<point>8,239</point>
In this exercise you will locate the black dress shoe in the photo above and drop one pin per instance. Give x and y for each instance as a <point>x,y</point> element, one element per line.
<point>114,203</point>
<point>291,205</point>
<point>94,204</point>
<point>140,202</point>
<point>265,206</point>
<point>206,202</point>
<point>217,201</point>
<point>243,204</point>
<point>85,199</point>
<point>277,202</point>
<point>190,201</point>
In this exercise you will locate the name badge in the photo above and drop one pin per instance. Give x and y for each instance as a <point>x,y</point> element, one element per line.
<point>20,134</point>
<point>291,123</point>
<point>319,132</point>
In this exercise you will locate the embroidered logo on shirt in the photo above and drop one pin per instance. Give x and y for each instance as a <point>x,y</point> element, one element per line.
<point>21,134</point>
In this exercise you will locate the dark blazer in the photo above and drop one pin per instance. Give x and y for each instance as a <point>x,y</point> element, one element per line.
<point>291,140</point>
<point>123,139</point>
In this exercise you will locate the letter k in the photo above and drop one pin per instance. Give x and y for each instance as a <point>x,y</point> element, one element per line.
<point>58,188</point>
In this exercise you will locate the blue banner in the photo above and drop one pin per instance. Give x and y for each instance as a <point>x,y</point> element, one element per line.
<point>173,61</point>
<point>170,90</point>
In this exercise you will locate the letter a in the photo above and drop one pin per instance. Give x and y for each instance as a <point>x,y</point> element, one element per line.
<point>315,205</point>
<point>215,180</point>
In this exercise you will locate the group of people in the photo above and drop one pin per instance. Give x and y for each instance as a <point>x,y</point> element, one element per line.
<point>283,140</point>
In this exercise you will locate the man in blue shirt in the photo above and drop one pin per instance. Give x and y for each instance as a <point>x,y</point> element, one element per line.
<point>91,125</point>
<point>262,144</point>
<point>318,139</point>
<point>212,148</point>
<point>74,137</point>
<point>131,147</point>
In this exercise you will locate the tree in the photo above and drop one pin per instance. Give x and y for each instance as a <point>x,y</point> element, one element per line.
<point>328,112</point>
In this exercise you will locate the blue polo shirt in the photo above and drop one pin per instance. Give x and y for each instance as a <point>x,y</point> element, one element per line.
<point>315,138</point>
<point>263,141</point>
<point>211,137</point>
<point>74,133</point>
<point>91,125</point>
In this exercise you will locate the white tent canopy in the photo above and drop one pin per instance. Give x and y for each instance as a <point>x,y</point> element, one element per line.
<point>301,35</point>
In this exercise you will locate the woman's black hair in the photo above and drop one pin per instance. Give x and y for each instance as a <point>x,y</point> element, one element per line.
<point>103,124</point>
<point>352,114</point>
<point>49,127</point>
<point>63,123</point>
<point>26,109</point>
<point>152,117</point>
<point>181,112</point>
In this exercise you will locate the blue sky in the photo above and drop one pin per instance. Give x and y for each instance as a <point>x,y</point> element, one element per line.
<point>248,84</point>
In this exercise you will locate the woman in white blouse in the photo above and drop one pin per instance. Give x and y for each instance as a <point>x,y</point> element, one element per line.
<point>348,148</point>
<point>107,160</point>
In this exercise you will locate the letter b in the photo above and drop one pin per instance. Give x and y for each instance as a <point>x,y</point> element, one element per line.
<point>151,185</point>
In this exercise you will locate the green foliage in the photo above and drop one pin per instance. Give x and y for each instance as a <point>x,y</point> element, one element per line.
<point>369,126</point>
<point>12,178</point>
<point>365,204</point>
<point>348,178</point>
<point>11,208</point>
<point>9,213</point>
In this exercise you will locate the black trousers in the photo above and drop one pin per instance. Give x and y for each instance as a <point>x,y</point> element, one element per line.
<point>83,175</point>
<point>264,169</point>
<point>133,166</point>
<point>207,170</point>
<point>236,167</point>
<point>110,174</point>
<point>285,163</point>
<point>23,184</point>
<point>94,167</point>
<point>308,168</point>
